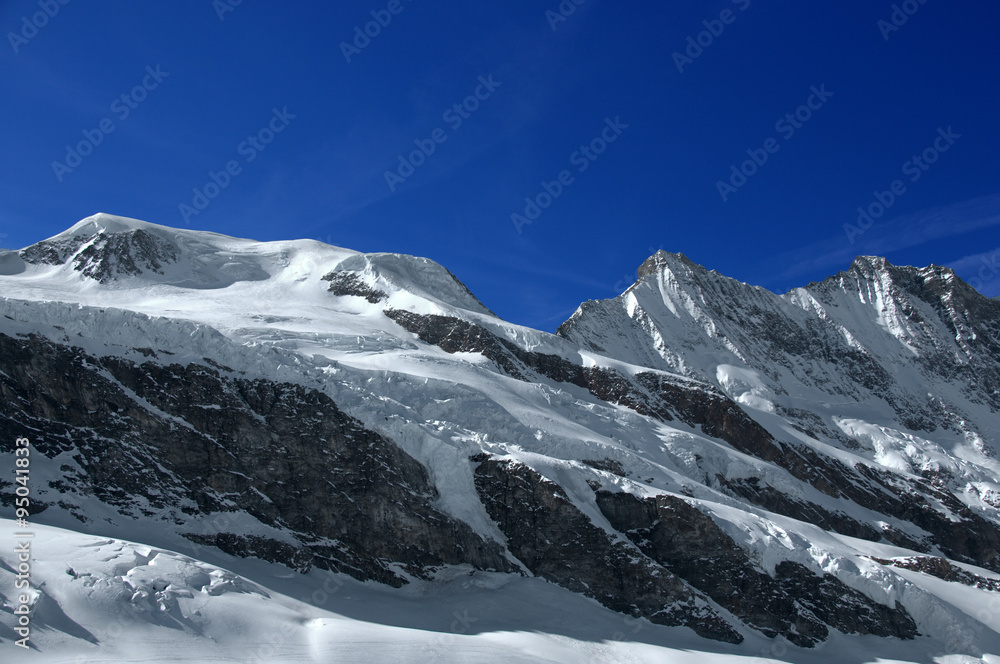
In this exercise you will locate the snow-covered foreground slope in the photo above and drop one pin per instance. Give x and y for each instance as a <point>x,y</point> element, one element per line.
<point>112,600</point>
<point>723,461</point>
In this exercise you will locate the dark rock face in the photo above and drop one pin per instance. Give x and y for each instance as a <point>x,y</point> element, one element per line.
<point>608,465</point>
<point>107,255</point>
<point>52,252</point>
<point>942,328</point>
<point>972,539</point>
<point>258,547</point>
<point>844,608</point>
<point>716,414</point>
<point>453,335</point>
<point>775,501</point>
<point>942,569</point>
<point>349,283</point>
<point>650,394</point>
<point>559,543</point>
<point>969,538</point>
<point>188,440</point>
<point>690,545</point>
<point>796,604</point>
<point>179,442</point>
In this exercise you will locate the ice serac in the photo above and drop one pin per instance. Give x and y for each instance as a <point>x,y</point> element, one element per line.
<point>698,452</point>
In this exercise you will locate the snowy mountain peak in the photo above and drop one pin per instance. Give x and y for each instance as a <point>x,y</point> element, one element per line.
<point>103,222</point>
<point>874,333</point>
<point>907,289</point>
<point>676,271</point>
<point>665,260</point>
<point>870,264</point>
<point>697,452</point>
<point>376,276</point>
<point>879,269</point>
<point>118,252</point>
<point>105,248</point>
<point>104,255</point>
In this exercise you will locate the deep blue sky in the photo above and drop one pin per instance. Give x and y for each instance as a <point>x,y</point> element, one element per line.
<point>654,187</point>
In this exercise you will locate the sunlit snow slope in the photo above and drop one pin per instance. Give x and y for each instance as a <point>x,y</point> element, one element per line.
<point>834,447</point>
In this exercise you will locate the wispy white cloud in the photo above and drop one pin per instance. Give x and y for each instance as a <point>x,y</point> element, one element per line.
<point>981,271</point>
<point>885,237</point>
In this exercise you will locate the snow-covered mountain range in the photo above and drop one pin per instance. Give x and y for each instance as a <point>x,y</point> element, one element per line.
<point>696,468</point>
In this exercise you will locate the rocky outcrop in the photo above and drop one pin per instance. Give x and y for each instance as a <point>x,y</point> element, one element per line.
<point>971,538</point>
<point>557,542</point>
<point>794,603</point>
<point>349,283</point>
<point>52,252</point>
<point>106,256</point>
<point>775,501</point>
<point>942,569</point>
<point>178,442</point>
<point>648,393</point>
<point>841,607</point>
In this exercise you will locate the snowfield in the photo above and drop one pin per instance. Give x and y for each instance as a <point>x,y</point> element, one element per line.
<point>115,589</point>
<point>101,599</point>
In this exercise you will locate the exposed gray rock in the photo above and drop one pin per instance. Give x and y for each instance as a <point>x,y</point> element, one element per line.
<point>189,440</point>
<point>610,465</point>
<point>52,252</point>
<point>971,539</point>
<point>155,439</point>
<point>559,543</point>
<point>106,256</point>
<point>841,607</point>
<point>349,283</point>
<point>942,569</point>
<point>797,603</point>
